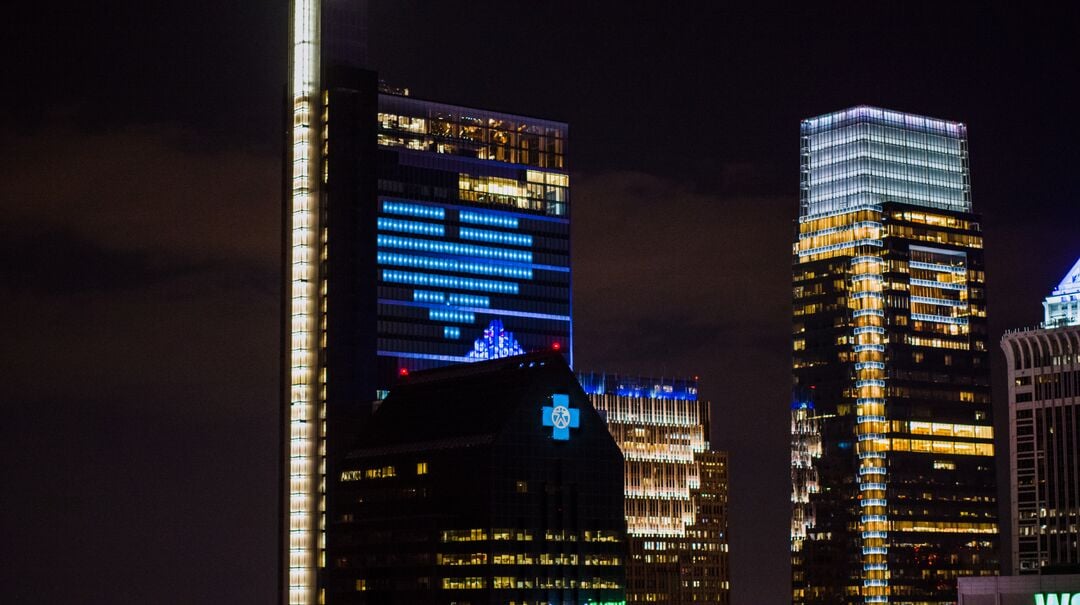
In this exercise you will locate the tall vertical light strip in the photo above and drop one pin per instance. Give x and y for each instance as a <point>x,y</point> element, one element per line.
<point>304,537</point>
<point>871,425</point>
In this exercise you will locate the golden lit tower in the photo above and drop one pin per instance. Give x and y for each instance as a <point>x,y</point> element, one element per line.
<point>889,347</point>
<point>676,488</point>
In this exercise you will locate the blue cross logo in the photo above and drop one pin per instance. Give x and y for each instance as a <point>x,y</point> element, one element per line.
<point>560,417</point>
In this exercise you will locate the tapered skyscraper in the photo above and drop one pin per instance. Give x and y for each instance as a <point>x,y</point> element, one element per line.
<point>416,234</point>
<point>893,469</point>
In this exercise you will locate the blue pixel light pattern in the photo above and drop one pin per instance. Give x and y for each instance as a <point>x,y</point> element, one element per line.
<point>496,342</point>
<point>444,281</point>
<point>393,224</point>
<point>495,237</point>
<point>484,218</point>
<point>408,243</point>
<point>458,266</point>
<point>413,210</point>
<point>455,316</point>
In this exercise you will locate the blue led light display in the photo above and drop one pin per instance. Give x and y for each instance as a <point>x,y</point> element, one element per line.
<point>408,243</point>
<point>495,237</point>
<point>560,417</point>
<point>455,316</point>
<point>495,343</point>
<point>451,332</point>
<point>444,281</point>
<point>469,300</point>
<point>428,297</point>
<point>457,266</point>
<point>413,210</point>
<point>393,224</point>
<point>485,218</point>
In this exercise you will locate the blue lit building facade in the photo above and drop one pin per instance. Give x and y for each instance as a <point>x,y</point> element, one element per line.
<point>415,235</point>
<point>893,472</point>
<point>473,236</point>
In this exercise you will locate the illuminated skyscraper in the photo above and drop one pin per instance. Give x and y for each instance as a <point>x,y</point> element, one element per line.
<point>889,340</point>
<point>1044,430</point>
<point>416,234</point>
<point>676,488</point>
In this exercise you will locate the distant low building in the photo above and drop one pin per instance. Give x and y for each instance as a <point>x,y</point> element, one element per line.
<point>495,482</point>
<point>1020,590</point>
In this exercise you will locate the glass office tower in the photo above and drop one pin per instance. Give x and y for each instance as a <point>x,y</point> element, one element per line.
<point>1044,430</point>
<point>889,347</point>
<point>676,488</point>
<point>415,234</point>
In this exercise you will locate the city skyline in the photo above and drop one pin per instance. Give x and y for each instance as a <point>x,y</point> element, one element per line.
<point>145,193</point>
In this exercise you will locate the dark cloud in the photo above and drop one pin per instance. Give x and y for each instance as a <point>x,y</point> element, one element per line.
<point>675,279</point>
<point>140,285</point>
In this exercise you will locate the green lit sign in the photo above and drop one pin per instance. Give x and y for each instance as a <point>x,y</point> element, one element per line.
<point>1062,598</point>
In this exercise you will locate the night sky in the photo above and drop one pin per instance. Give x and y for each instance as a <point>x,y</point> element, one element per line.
<point>139,238</point>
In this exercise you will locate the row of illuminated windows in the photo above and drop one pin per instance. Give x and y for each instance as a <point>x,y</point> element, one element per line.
<point>966,240</point>
<point>393,224</point>
<point>458,126</point>
<point>479,535</point>
<point>859,151</point>
<point>444,281</point>
<point>894,189</point>
<point>936,326</point>
<point>512,192</point>
<point>955,527</point>
<point>942,447</point>
<point>480,558</point>
<point>526,152</point>
<point>451,265</point>
<point>382,472</point>
<point>416,116</point>
<point>944,257</point>
<point>909,141</point>
<point>938,343</point>
<point>509,582</point>
<point>486,218</point>
<point>876,167</point>
<point>451,316</point>
<point>464,300</point>
<point>857,231</point>
<point>855,199</point>
<point>943,429</point>
<point>393,241</point>
<point>837,221</point>
<point>875,115</point>
<point>495,237</point>
<point>417,210</point>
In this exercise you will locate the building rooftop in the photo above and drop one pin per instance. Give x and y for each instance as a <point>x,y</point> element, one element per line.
<point>639,386</point>
<point>467,404</point>
<point>1062,307</point>
<point>887,117</point>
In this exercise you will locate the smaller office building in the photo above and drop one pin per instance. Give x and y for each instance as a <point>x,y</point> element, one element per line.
<point>1044,411</point>
<point>1020,590</point>
<point>493,482</point>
